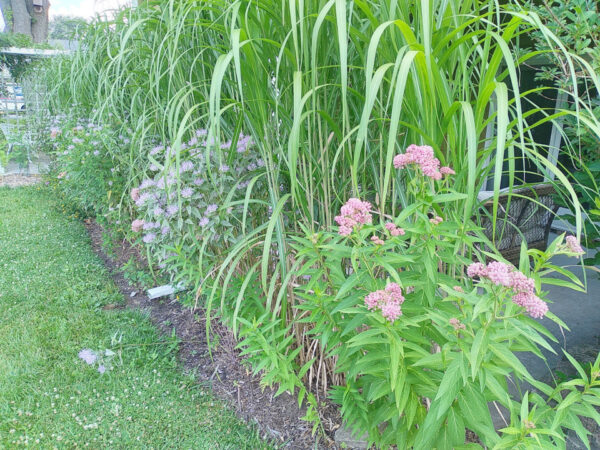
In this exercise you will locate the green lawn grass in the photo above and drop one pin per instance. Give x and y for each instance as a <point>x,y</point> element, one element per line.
<point>52,290</point>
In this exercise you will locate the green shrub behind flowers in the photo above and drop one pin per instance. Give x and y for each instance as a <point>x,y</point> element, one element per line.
<point>84,166</point>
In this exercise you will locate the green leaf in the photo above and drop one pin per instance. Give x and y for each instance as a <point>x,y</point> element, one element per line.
<point>474,410</point>
<point>456,428</point>
<point>443,198</point>
<point>478,351</point>
<point>446,394</point>
<point>509,358</point>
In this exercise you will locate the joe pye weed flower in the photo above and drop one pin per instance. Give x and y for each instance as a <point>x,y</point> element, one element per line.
<point>419,327</point>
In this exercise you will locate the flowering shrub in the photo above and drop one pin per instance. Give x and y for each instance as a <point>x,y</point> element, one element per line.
<point>424,332</point>
<point>84,168</point>
<point>196,204</point>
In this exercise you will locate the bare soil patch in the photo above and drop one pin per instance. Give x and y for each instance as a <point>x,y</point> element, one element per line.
<point>17,180</point>
<point>279,418</point>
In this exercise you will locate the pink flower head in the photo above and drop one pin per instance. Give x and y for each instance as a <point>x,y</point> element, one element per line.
<point>377,240</point>
<point>137,225</point>
<point>534,305</point>
<point>135,194</point>
<point>499,273</point>
<point>521,283</point>
<point>395,292</point>
<point>394,230</point>
<point>573,246</point>
<point>391,311</point>
<point>456,324</point>
<point>522,286</point>
<point>458,289</point>
<point>445,170</point>
<point>354,213</point>
<point>421,156</point>
<point>476,270</point>
<point>373,299</point>
<point>388,301</point>
<point>436,220</point>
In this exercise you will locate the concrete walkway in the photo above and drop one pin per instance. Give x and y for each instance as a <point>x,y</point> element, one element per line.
<point>580,312</point>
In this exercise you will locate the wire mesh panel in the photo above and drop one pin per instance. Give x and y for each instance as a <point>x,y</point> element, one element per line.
<point>21,110</point>
<point>525,215</point>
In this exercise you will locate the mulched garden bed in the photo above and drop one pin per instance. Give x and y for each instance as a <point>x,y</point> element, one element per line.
<point>278,418</point>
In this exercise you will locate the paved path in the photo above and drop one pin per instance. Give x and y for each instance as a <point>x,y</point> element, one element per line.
<point>580,311</point>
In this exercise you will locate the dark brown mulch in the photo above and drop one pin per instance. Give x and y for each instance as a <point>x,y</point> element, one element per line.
<point>278,418</point>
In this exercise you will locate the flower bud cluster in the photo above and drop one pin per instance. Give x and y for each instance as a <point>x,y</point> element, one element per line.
<point>387,300</point>
<point>394,230</point>
<point>354,213</point>
<point>422,156</point>
<point>523,287</point>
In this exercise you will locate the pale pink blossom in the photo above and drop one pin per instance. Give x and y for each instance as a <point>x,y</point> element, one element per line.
<point>574,246</point>
<point>436,220</point>
<point>388,301</point>
<point>521,283</point>
<point>373,299</point>
<point>354,213</point>
<point>377,240</point>
<point>458,289</point>
<point>422,156</point>
<point>523,287</point>
<point>445,170</point>
<point>395,292</point>
<point>135,194</point>
<point>476,270</point>
<point>535,306</point>
<point>394,230</point>
<point>499,273</point>
<point>391,311</point>
<point>137,225</point>
<point>456,324</point>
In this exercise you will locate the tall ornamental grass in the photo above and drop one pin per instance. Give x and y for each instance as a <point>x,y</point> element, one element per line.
<point>330,92</point>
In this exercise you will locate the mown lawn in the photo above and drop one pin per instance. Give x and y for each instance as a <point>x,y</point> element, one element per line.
<point>52,292</point>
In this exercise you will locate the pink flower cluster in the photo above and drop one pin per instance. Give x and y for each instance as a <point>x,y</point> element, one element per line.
<point>354,213</point>
<point>573,246</point>
<point>387,300</point>
<point>422,156</point>
<point>137,225</point>
<point>377,240</point>
<point>436,220</point>
<point>394,230</point>
<point>456,324</point>
<point>503,275</point>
